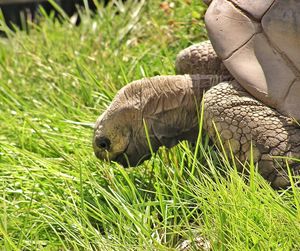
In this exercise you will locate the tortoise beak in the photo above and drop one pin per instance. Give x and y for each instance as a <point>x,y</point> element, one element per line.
<point>134,155</point>
<point>131,160</point>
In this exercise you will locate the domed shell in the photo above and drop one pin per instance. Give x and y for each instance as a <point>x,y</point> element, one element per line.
<point>259,43</point>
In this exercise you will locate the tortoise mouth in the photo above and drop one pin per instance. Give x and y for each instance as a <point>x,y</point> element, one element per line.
<point>131,160</point>
<point>133,155</point>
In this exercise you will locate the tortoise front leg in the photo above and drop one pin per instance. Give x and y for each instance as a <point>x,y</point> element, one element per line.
<point>241,120</point>
<point>200,59</point>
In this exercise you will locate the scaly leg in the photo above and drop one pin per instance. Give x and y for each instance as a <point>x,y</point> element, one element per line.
<point>242,121</point>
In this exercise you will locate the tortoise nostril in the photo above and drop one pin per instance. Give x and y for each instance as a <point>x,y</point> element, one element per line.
<point>102,142</point>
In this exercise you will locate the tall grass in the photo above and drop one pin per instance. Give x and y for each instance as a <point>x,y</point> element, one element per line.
<point>55,195</point>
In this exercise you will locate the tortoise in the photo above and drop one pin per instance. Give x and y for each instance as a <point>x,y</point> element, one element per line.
<point>248,76</point>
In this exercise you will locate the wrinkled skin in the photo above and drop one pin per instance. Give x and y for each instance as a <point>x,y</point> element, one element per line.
<point>152,106</point>
<point>167,107</point>
<point>155,104</point>
<point>162,111</point>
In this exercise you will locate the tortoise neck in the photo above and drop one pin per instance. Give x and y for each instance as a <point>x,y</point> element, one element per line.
<point>171,106</point>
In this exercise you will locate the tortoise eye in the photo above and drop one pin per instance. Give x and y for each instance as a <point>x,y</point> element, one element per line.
<point>102,142</point>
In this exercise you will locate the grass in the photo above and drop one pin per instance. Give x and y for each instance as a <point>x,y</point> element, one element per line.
<point>55,195</point>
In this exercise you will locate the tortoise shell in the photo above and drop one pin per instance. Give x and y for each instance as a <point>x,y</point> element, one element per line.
<point>259,43</point>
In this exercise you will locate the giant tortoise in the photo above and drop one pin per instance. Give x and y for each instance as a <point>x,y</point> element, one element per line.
<point>249,79</point>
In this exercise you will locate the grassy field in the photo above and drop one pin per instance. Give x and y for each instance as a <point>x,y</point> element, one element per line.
<point>55,195</point>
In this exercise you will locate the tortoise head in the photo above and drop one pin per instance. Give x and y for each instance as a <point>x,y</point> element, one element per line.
<point>111,139</point>
<point>116,138</point>
<point>116,133</point>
